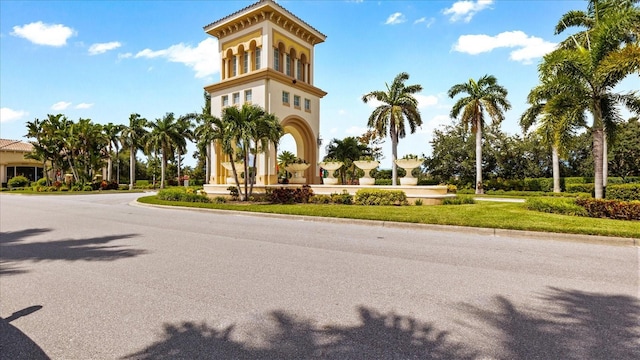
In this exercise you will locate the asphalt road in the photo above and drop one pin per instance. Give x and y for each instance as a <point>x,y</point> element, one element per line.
<point>92,277</point>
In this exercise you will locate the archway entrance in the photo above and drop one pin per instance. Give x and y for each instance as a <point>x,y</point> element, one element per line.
<point>305,145</point>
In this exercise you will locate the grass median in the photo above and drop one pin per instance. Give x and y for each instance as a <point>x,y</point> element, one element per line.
<point>482,214</point>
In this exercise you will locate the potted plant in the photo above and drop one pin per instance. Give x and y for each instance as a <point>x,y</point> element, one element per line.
<point>331,165</point>
<point>239,169</point>
<point>297,168</point>
<point>408,163</point>
<point>367,163</point>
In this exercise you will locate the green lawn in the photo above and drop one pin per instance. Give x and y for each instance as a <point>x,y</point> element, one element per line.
<point>482,214</point>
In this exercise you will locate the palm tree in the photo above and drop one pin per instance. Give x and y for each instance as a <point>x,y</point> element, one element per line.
<point>398,105</point>
<point>132,137</point>
<point>265,130</point>
<point>165,136</point>
<point>204,134</point>
<point>112,132</point>
<point>558,115</point>
<point>596,60</point>
<point>621,19</point>
<point>185,127</point>
<point>284,159</point>
<point>346,150</point>
<point>484,95</point>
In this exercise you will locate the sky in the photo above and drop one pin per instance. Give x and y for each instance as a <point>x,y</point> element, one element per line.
<point>105,60</point>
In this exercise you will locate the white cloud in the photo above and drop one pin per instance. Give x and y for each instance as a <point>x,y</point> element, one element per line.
<point>429,126</point>
<point>44,34</point>
<point>395,18</point>
<point>423,20</point>
<point>61,105</point>
<point>203,59</point>
<point>425,101</point>
<point>466,9</point>
<point>125,55</point>
<point>529,47</point>
<point>7,114</point>
<point>101,48</point>
<point>84,106</point>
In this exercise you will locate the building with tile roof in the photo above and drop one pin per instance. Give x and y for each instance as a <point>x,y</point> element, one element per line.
<point>13,162</point>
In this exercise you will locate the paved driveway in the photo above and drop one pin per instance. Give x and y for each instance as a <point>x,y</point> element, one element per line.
<point>91,277</point>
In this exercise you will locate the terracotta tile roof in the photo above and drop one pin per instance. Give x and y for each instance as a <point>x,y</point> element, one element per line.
<point>258,4</point>
<point>15,145</point>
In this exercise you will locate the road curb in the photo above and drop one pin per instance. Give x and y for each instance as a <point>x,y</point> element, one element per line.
<point>539,235</point>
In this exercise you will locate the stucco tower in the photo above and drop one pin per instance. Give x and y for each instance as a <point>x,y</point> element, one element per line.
<point>267,59</point>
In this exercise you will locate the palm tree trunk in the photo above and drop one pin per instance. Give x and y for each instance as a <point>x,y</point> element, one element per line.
<point>394,157</point>
<point>164,166</point>
<point>132,167</point>
<point>207,163</point>
<point>109,165</point>
<point>605,164</point>
<point>598,145</point>
<point>555,158</point>
<point>479,188</point>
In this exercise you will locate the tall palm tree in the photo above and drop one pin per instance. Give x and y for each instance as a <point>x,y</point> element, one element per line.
<point>112,132</point>
<point>484,95</point>
<point>621,21</point>
<point>558,116</point>
<point>284,159</point>
<point>132,137</point>
<point>398,105</point>
<point>184,126</point>
<point>266,130</point>
<point>205,133</point>
<point>165,137</point>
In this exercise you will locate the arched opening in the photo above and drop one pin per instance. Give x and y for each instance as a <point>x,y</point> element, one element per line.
<point>305,145</point>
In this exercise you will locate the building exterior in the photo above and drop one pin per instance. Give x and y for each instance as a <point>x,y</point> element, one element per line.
<point>13,162</point>
<point>267,59</point>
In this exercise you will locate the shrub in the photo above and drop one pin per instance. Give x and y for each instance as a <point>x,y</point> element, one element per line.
<point>581,188</point>
<point>555,206</point>
<point>626,192</point>
<point>42,182</point>
<point>87,188</point>
<point>123,187</point>
<point>179,194</point>
<point>578,180</point>
<point>418,202</point>
<point>233,192</point>
<point>380,197</point>
<point>18,182</point>
<point>344,198</point>
<point>383,182</point>
<point>142,184</point>
<point>459,200</point>
<point>428,182</point>
<point>290,195</point>
<point>614,209</point>
<point>219,200</point>
<point>452,189</point>
<point>321,199</point>
<point>76,187</point>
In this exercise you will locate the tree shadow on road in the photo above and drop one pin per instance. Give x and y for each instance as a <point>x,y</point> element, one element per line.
<point>377,336</point>
<point>16,345</point>
<point>573,325</point>
<point>14,249</point>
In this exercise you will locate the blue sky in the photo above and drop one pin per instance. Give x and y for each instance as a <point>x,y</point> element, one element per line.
<point>104,60</point>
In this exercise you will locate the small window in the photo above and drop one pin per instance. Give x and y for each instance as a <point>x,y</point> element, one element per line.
<point>285,98</point>
<point>234,66</point>
<point>307,105</point>
<point>225,100</point>
<point>236,98</point>
<point>257,64</point>
<point>247,96</point>
<point>245,63</point>
<point>287,64</point>
<point>296,101</point>
<point>276,59</point>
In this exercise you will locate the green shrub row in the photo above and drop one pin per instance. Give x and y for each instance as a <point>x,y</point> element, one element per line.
<point>380,197</point>
<point>343,198</point>
<point>614,209</point>
<point>625,192</point>
<point>459,200</point>
<point>181,194</point>
<point>580,188</point>
<point>555,206</point>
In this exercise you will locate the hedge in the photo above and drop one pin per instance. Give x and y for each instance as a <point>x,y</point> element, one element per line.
<point>555,206</point>
<point>180,194</point>
<point>614,209</point>
<point>580,188</point>
<point>626,192</point>
<point>380,197</point>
